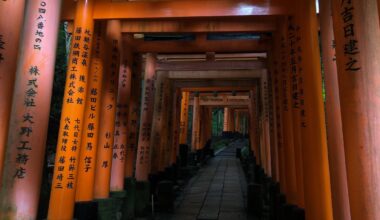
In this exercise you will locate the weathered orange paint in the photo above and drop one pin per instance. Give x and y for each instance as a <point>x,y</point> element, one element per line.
<point>288,137</point>
<point>108,111</point>
<point>265,129</point>
<point>9,43</point>
<point>143,159</point>
<point>226,115</point>
<point>254,139</point>
<point>62,195</point>
<point>317,189</point>
<point>195,137</point>
<point>105,9</point>
<point>165,143</point>
<point>28,123</point>
<point>121,123</point>
<point>133,117</point>
<point>184,117</point>
<point>273,117</point>
<point>176,120</point>
<point>293,75</point>
<point>338,173</point>
<point>158,124</point>
<point>358,74</point>
<point>279,113</point>
<point>89,143</point>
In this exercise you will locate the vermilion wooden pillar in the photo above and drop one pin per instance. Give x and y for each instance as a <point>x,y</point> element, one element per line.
<point>315,157</point>
<point>265,122</point>
<point>9,42</point>
<point>89,144</point>
<point>226,119</point>
<point>176,125</point>
<point>158,125</point>
<point>143,151</point>
<point>108,110</point>
<point>339,188</point>
<point>252,108</point>
<point>133,117</point>
<point>184,117</point>
<point>231,120</point>
<point>69,139</point>
<point>279,113</point>
<point>28,123</point>
<point>272,117</point>
<point>356,31</point>
<point>295,91</point>
<point>287,125</point>
<point>195,137</point>
<point>121,122</point>
<point>165,142</point>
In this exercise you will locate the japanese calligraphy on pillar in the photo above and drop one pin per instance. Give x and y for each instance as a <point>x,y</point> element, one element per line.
<point>293,41</point>
<point>31,92</point>
<point>133,118</point>
<point>109,104</point>
<point>351,50</point>
<point>74,96</point>
<point>121,124</point>
<point>284,79</point>
<point>91,119</point>
<point>143,154</point>
<point>265,97</point>
<point>41,19</point>
<point>2,48</point>
<point>299,71</point>
<point>158,120</point>
<point>146,126</point>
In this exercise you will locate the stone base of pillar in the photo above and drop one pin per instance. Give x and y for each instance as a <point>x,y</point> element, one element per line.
<point>142,199</point>
<point>86,210</point>
<point>119,197</point>
<point>183,154</point>
<point>128,209</point>
<point>106,209</point>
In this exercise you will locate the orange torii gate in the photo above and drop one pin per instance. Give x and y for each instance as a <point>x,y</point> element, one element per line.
<point>295,152</point>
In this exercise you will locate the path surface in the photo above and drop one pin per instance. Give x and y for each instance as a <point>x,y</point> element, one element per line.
<point>218,191</point>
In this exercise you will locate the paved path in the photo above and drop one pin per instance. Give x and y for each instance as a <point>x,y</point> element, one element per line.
<point>218,191</point>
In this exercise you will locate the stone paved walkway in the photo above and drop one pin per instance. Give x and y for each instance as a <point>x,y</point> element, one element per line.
<point>218,191</point>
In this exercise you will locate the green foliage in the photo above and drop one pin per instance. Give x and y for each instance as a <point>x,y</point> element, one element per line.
<point>58,88</point>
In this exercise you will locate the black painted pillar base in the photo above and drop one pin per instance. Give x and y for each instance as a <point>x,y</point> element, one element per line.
<point>142,199</point>
<point>106,208</point>
<point>128,208</point>
<point>119,197</point>
<point>86,210</point>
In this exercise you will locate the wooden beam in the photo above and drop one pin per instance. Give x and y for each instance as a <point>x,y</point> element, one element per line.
<point>105,9</point>
<point>259,24</point>
<point>197,46</point>
<point>212,65</point>
<point>215,85</point>
<point>217,74</point>
<point>222,101</point>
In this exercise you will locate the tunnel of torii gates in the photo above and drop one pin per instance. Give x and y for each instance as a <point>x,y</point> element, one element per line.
<point>275,78</point>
